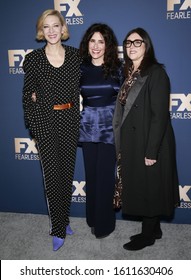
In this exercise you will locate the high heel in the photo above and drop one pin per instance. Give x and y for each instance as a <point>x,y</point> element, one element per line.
<point>69,231</point>
<point>57,243</point>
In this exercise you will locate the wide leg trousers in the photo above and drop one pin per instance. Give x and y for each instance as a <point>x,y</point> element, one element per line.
<point>99,162</point>
<point>57,153</point>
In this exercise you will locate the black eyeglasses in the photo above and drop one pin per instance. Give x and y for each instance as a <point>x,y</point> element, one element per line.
<point>136,43</point>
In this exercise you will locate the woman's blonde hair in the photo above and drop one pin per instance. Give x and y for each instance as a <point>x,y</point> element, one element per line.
<point>40,21</point>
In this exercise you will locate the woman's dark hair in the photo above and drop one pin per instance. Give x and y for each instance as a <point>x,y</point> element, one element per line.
<point>111,60</point>
<point>149,56</point>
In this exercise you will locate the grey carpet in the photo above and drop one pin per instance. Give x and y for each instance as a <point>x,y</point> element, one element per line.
<point>25,237</point>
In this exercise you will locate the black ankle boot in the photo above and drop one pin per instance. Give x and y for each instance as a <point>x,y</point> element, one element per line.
<point>139,243</point>
<point>157,234</point>
<point>158,231</point>
<point>150,227</point>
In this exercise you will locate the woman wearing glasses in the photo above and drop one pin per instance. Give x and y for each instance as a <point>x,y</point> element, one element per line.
<point>144,140</point>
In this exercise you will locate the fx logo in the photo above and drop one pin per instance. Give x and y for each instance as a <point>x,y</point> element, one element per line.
<point>181,101</point>
<point>184,193</point>
<point>184,6</point>
<point>79,188</point>
<point>62,5</point>
<point>25,145</point>
<point>17,56</point>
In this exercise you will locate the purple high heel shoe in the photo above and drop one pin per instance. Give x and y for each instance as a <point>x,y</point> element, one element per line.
<point>69,231</point>
<point>57,243</point>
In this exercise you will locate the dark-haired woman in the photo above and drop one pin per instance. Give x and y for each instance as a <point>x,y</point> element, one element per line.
<point>100,81</point>
<point>145,140</point>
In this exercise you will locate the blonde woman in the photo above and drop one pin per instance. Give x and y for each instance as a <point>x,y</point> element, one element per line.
<point>51,109</point>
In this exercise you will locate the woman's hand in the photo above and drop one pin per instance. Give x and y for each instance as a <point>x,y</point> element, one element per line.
<point>149,162</point>
<point>33,97</point>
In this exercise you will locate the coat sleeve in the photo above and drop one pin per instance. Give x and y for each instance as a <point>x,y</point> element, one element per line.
<point>117,119</point>
<point>28,88</point>
<point>159,93</point>
<point>75,54</point>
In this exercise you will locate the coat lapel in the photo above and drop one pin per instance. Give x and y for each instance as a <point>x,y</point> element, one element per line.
<point>120,114</point>
<point>133,93</point>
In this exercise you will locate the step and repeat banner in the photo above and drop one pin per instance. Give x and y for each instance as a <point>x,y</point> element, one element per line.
<point>169,25</point>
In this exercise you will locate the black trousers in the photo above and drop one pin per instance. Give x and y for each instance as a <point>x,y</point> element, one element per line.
<point>58,153</point>
<point>99,163</point>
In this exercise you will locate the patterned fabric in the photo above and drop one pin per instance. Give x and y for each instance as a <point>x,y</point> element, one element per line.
<point>128,83</point>
<point>117,199</point>
<point>41,78</point>
<point>56,132</point>
<point>57,153</point>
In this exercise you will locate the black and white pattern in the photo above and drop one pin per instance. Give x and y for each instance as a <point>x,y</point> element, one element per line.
<point>56,132</point>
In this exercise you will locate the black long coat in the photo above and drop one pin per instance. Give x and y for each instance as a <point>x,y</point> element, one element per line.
<point>144,130</point>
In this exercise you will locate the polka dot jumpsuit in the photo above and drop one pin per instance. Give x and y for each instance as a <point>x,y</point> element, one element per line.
<point>56,131</point>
